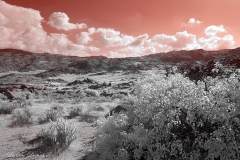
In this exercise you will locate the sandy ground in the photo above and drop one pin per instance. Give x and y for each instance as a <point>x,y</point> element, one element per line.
<point>12,139</point>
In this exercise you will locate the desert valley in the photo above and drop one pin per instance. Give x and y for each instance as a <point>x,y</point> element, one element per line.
<point>44,95</point>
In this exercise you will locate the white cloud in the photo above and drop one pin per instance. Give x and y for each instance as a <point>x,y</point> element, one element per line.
<point>91,30</point>
<point>21,28</point>
<point>83,38</point>
<point>116,55</point>
<point>179,41</point>
<point>215,43</point>
<point>164,39</point>
<point>213,30</point>
<point>136,51</point>
<point>18,18</point>
<point>193,21</point>
<point>92,49</point>
<point>139,40</point>
<point>60,20</point>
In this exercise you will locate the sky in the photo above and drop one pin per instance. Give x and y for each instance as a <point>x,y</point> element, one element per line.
<point>118,28</point>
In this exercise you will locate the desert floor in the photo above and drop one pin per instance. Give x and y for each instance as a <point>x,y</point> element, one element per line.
<point>50,91</point>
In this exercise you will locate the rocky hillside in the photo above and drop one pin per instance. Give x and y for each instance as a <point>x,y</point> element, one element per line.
<point>18,60</point>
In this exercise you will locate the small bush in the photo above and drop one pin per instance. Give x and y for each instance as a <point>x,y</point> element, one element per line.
<point>54,112</point>
<point>117,96</point>
<point>91,92</point>
<point>3,97</point>
<point>87,117</point>
<point>21,117</point>
<point>56,138</point>
<point>98,108</point>
<point>80,93</point>
<point>6,108</point>
<point>75,111</point>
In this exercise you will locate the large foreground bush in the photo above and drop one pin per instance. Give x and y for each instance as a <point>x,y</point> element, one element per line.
<point>175,119</point>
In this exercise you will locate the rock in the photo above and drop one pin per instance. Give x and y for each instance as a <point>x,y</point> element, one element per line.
<point>75,83</point>
<point>124,93</point>
<point>119,108</point>
<point>124,85</point>
<point>106,94</point>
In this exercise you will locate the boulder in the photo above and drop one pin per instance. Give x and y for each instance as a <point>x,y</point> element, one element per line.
<point>119,108</point>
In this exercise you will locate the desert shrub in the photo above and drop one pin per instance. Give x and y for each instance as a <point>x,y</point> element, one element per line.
<point>55,112</point>
<point>21,117</point>
<point>58,137</point>
<point>80,93</point>
<point>98,108</point>
<point>6,108</point>
<point>174,118</point>
<point>87,117</point>
<point>75,111</point>
<point>129,100</point>
<point>117,96</point>
<point>91,92</point>
<point>3,97</point>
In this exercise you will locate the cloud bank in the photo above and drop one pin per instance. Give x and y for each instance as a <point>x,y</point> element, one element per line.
<point>21,28</point>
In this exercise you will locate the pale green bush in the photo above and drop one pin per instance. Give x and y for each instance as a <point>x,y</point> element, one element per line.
<point>175,119</point>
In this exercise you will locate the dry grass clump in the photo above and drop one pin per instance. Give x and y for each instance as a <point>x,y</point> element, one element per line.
<point>75,111</point>
<point>53,140</point>
<point>3,97</point>
<point>117,96</point>
<point>52,114</point>
<point>6,108</point>
<point>87,117</point>
<point>21,117</point>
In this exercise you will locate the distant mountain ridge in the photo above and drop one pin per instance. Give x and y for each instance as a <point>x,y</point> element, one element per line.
<point>23,61</point>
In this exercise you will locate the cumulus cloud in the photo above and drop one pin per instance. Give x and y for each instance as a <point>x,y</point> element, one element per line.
<point>180,40</point>
<point>91,30</point>
<point>164,39</point>
<point>21,28</point>
<point>108,37</point>
<point>136,51</point>
<point>116,55</point>
<point>186,41</point>
<point>111,38</point>
<point>139,40</point>
<point>83,38</point>
<point>191,22</point>
<point>215,43</point>
<point>60,20</point>
<point>18,18</point>
<point>213,30</point>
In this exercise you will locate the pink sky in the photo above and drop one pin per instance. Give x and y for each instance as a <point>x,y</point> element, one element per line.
<point>118,28</point>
